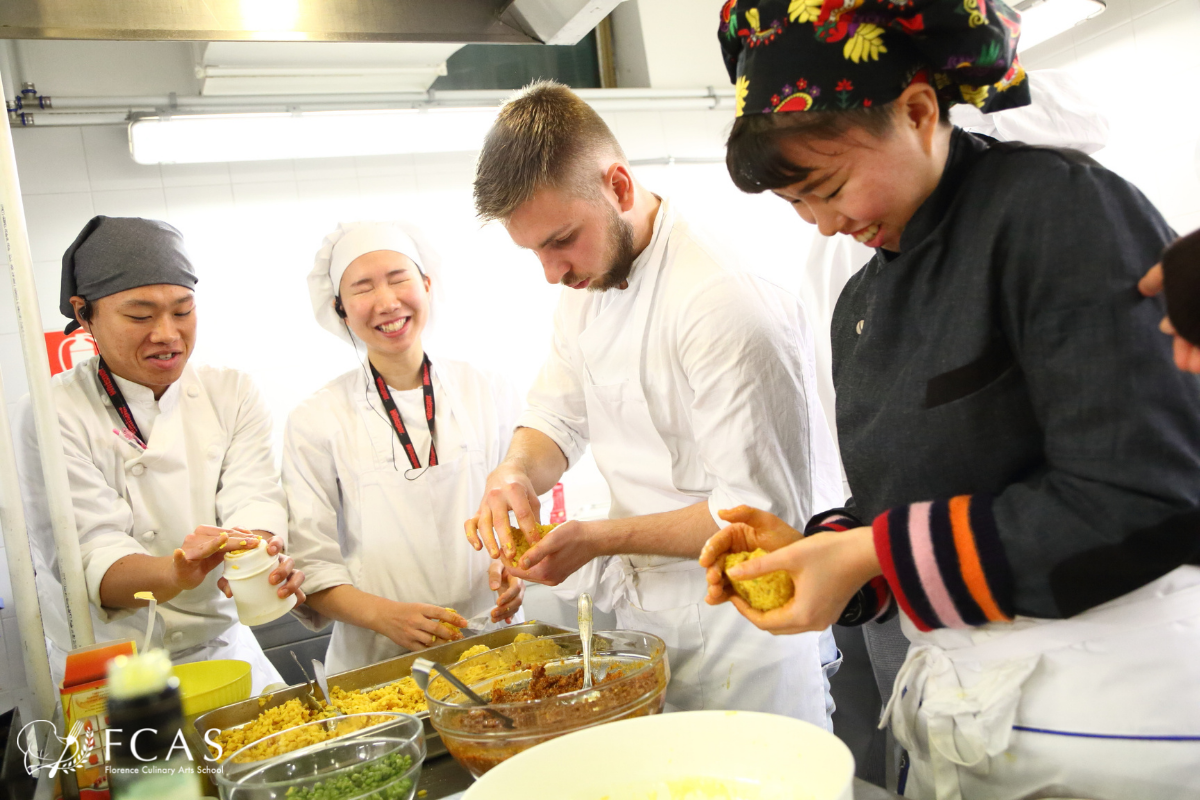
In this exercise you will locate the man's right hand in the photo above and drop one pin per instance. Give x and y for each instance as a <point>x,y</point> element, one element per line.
<point>415,626</point>
<point>508,489</point>
<point>202,551</point>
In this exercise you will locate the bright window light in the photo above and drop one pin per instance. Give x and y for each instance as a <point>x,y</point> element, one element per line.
<point>202,138</point>
<point>1045,20</point>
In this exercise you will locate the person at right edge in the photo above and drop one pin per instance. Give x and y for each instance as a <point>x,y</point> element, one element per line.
<point>1023,455</point>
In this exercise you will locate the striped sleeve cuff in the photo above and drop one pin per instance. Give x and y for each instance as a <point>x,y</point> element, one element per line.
<point>945,563</point>
<point>837,519</point>
<point>874,600</point>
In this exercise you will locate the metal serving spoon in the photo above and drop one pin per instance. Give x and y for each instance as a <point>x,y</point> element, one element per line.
<point>309,697</point>
<point>585,636</point>
<point>420,672</point>
<point>323,682</point>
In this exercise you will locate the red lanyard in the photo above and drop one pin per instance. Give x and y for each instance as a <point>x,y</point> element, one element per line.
<point>118,400</point>
<point>389,405</point>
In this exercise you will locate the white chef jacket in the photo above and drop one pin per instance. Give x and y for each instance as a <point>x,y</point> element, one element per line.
<point>360,515</point>
<point>729,377</point>
<point>694,384</point>
<point>208,462</point>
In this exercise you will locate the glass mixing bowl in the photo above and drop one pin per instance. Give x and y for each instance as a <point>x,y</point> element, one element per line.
<point>376,756</point>
<point>630,674</point>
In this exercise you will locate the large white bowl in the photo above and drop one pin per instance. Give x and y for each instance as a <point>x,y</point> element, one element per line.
<point>697,755</point>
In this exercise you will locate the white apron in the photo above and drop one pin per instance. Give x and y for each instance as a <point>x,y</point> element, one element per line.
<point>1104,705</point>
<point>411,548</point>
<point>718,659</point>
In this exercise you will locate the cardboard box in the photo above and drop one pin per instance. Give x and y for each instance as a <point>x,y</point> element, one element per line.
<point>84,695</point>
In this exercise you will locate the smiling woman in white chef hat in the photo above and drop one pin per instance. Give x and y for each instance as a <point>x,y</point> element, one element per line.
<point>383,463</point>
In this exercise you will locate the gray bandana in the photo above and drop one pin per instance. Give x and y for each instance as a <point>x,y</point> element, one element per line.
<point>112,254</point>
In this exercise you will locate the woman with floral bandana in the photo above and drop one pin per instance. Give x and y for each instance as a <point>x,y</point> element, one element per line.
<point>1024,457</point>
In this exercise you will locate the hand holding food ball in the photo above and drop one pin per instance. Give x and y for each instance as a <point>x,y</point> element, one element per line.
<point>827,570</point>
<point>751,530</point>
<point>508,489</point>
<point>560,551</point>
<point>764,593</point>
<point>415,626</point>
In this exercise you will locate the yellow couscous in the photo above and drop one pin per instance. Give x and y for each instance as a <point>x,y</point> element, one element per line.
<point>763,593</point>
<point>402,696</point>
<point>522,545</point>
<point>479,648</point>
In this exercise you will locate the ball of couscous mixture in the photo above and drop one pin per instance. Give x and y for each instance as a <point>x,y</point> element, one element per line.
<point>766,592</point>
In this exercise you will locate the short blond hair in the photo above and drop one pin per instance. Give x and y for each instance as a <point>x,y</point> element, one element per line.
<point>545,136</point>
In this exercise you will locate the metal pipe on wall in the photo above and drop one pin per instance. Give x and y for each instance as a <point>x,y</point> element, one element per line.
<point>431,98</point>
<point>59,118</point>
<point>10,81</point>
<point>21,575</point>
<point>37,370</point>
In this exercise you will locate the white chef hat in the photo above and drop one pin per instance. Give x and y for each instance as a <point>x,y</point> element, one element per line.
<point>351,240</point>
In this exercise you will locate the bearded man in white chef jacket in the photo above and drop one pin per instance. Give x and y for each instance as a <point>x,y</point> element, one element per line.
<point>158,453</point>
<point>694,386</point>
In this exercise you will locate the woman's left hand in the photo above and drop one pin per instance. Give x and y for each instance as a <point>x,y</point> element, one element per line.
<point>509,589</point>
<point>827,570</point>
<point>749,529</point>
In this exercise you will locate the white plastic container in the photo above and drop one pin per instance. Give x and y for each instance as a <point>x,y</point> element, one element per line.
<point>248,572</point>
<point>693,754</point>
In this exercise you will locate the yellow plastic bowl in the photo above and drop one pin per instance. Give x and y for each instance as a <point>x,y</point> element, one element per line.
<point>206,685</point>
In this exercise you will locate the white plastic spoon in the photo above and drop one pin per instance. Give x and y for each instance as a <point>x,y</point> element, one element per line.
<point>149,617</point>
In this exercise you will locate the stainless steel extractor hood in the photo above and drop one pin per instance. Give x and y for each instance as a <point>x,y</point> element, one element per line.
<point>497,21</point>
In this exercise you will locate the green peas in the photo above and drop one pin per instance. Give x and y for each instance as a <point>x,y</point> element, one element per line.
<point>372,781</point>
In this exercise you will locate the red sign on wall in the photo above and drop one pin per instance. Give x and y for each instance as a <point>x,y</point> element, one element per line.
<point>67,350</point>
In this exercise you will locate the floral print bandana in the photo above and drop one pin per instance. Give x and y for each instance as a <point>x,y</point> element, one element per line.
<point>831,55</point>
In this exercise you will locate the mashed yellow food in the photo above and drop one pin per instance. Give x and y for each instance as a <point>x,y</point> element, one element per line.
<point>402,696</point>
<point>522,545</point>
<point>766,592</point>
<point>477,649</point>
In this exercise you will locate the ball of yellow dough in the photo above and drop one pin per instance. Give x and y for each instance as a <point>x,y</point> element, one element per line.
<point>766,592</point>
<point>522,545</point>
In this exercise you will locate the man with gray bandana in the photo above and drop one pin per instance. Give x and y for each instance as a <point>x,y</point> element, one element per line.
<point>161,455</point>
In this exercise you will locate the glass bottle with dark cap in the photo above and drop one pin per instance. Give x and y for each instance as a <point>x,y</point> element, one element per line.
<point>150,757</point>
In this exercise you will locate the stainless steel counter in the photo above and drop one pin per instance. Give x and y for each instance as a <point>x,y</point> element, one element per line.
<point>444,779</point>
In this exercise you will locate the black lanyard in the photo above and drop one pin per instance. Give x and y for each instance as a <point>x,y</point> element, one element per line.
<point>389,405</point>
<point>118,400</point>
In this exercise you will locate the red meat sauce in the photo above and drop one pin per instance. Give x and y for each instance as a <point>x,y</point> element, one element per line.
<point>542,685</point>
<point>537,722</point>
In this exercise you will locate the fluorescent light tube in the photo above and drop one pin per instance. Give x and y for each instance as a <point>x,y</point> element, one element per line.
<point>1046,19</point>
<point>203,138</point>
